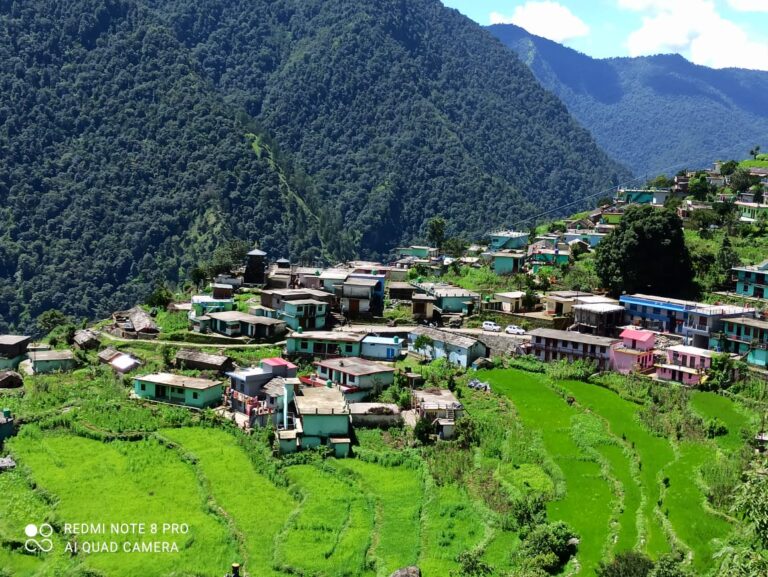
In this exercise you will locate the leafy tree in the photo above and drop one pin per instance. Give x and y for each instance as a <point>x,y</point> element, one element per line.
<point>751,500</point>
<point>626,564</point>
<point>729,167</point>
<point>669,566</point>
<point>604,201</point>
<point>51,319</point>
<point>726,258</point>
<point>160,297</point>
<point>422,343</point>
<point>759,196</point>
<point>661,181</point>
<point>551,545</point>
<point>197,275</point>
<point>423,430</point>
<point>741,180</point>
<point>646,252</point>
<point>698,187</point>
<point>471,564</point>
<point>455,246</point>
<point>436,231</point>
<point>754,152</point>
<point>529,300</point>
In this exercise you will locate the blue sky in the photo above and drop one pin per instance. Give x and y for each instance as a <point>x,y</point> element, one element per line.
<point>716,33</point>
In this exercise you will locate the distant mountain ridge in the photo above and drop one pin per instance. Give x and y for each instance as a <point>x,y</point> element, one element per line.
<point>137,135</point>
<point>652,112</point>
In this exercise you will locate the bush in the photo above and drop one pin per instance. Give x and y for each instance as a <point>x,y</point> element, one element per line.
<point>626,564</point>
<point>714,427</point>
<point>551,546</point>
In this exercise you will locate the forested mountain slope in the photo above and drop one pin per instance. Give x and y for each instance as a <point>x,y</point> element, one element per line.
<point>651,112</point>
<point>127,131</point>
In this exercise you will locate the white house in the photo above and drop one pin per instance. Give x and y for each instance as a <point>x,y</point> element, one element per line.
<point>458,349</point>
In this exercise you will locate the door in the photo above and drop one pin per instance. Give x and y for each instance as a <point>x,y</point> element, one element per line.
<point>354,306</point>
<point>390,354</point>
<point>160,391</point>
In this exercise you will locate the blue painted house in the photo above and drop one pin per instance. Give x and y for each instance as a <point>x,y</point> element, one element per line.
<point>752,281</point>
<point>506,262</point>
<point>179,389</point>
<point>458,349</point>
<point>658,313</point>
<point>746,337</point>
<point>508,239</point>
<point>309,314</point>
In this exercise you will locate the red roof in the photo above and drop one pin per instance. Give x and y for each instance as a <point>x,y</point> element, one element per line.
<point>638,335</point>
<point>278,362</point>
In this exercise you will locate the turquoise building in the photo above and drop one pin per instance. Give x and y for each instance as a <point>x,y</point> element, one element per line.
<point>51,361</point>
<point>746,337</point>
<point>204,304</point>
<point>507,262</point>
<point>508,239</point>
<point>179,389</point>
<point>308,314</point>
<point>322,344</point>
<point>752,281</point>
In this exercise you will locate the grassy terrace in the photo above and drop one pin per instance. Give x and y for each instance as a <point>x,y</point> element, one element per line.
<point>588,502</point>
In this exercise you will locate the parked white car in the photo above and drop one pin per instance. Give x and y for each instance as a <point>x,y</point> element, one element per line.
<point>491,326</point>
<point>514,330</point>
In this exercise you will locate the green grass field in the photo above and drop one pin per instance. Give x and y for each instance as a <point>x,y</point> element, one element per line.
<point>710,405</point>
<point>588,502</point>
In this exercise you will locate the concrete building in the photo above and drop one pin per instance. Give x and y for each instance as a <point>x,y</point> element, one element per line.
<point>323,344</point>
<point>440,408</point>
<point>458,349</point>
<point>553,345</point>
<point>13,349</point>
<point>599,318</point>
<point>357,378</point>
<point>685,365</point>
<point>51,361</point>
<point>179,389</point>
<point>634,354</point>
<point>382,348</point>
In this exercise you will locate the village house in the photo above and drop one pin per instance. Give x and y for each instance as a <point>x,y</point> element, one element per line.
<point>357,378</point>
<point>747,338</point>
<point>332,278</point>
<point>306,277</point>
<point>362,296</point>
<point>635,352</point>
<point>554,345</point>
<point>322,418</point>
<point>451,299</point>
<point>457,349</point>
<point>276,298</point>
<point>506,262</point>
<point>511,302</point>
<point>382,347</point>
<point>86,339</point>
<point>222,291</point>
<point>423,307</point>
<point>237,324</point>
<point>13,349</point>
<point>135,323</point>
<point>705,323</point>
<point>179,389</point>
<point>380,415</point>
<point>367,269</point>
<point>255,268</point>
<point>598,318</point>
<point>309,314</point>
<point>423,252</point>
<point>323,344</point>
<point>591,237</point>
<point>560,303</point>
<point>684,364</point>
<point>258,392</point>
<point>120,362</point>
<point>539,257</point>
<point>658,313</point>
<point>440,408</point>
<point>10,380</point>
<point>401,291</point>
<point>507,239</point>
<point>751,211</point>
<point>204,304</point>
<point>51,361</point>
<point>752,281</point>
<point>194,359</point>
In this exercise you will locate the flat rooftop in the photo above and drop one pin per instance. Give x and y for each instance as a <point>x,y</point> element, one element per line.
<point>573,337</point>
<point>747,322</point>
<point>51,356</point>
<point>688,350</point>
<point>237,316</point>
<point>328,336</point>
<point>439,399</point>
<point>374,409</point>
<point>321,401</point>
<point>600,307</point>
<point>13,339</point>
<point>181,381</point>
<point>355,366</point>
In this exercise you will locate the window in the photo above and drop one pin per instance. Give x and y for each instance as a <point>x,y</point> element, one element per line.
<point>348,348</point>
<point>633,307</point>
<point>194,395</point>
<point>351,378</point>
<point>656,310</point>
<point>303,344</point>
<point>143,387</point>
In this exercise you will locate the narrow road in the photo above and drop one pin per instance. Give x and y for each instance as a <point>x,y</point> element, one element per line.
<point>113,338</point>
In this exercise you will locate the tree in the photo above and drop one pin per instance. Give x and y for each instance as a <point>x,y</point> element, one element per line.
<point>626,564</point>
<point>754,152</point>
<point>529,300</point>
<point>751,500</point>
<point>161,297</point>
<point>436,231</point>
<point>726,259</point>
<point>471,564</point>
<point>728,168</point>
<point>51,319</point>
<point>646,253</point>
<point>759,197</point>
<point>455,246</point>
<point>741,180</point>
<point>661,181</point>
<point>669,566</point>
<point>422,343</point>
<point>550,545</point>
<point>423,430</point>
<point>698,187</point>
<point>197,275</point>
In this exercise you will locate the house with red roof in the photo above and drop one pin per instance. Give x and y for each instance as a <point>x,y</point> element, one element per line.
<point>635,351</point>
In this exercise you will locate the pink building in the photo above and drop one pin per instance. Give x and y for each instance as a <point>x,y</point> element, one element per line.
<point>635,351</point>
<point>686,365</point>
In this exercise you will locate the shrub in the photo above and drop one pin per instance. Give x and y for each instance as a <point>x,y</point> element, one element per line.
<point>626,564</point>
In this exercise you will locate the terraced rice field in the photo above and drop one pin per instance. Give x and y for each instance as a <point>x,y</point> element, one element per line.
<point>711,405</point>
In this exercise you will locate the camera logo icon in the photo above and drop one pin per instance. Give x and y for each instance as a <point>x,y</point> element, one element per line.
<point>39,538</point>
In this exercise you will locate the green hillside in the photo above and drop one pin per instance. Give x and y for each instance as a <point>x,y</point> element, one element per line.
<point>124,129</point>
<point>655,113</point>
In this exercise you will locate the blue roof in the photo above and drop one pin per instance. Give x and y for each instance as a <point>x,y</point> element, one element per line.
<point>658,302</point>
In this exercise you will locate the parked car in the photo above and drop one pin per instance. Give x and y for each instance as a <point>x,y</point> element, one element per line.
<point>514,330</point>
<point>491,326</point>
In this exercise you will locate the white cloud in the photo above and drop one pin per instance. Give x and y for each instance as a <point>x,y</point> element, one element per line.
<point>749,5</point>
<point>548,19</point>
<point>695,29</point>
